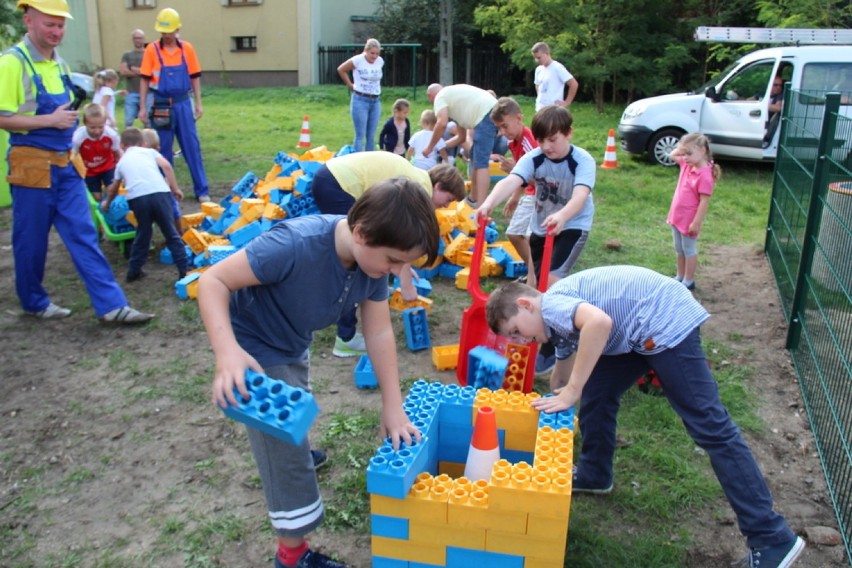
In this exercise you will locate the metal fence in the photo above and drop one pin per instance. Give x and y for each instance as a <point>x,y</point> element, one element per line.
<point>485,67</point>
<point>809,246</point>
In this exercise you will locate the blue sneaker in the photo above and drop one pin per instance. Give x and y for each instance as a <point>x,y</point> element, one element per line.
<point>544,364</point>
<point>311,559</point>
<point>778,556</point>
<point>580,485</point>
<point>320,458</point>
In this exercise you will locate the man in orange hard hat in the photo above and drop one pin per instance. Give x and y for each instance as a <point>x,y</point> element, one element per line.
<point>170,70</point>
<point>38,109</point>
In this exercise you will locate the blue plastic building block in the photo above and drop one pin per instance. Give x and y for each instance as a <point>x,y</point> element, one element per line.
<point>449,270</point>
<point>491,233</point>
<point>416,328</point>
<point>166,256</point>
<point>118,210</point>
<point>347,149</point>
<point>303,184</point>
<point>500,256</point>
<point>274,407</point>
<point>180,285</point>
<point>288,163</point>
<point>245,187</point>
<point>486,368</point>
<point>310,167</point>
<point>557,420</point>
<point>392,473</point>
<point>429,273</point>
<point>423,286</point>
<point>390,527</point>
<point>515,268</point>
<point>244,235</point>
<point>217,253</point>
<point>302,205</point>
<point>365,378</point>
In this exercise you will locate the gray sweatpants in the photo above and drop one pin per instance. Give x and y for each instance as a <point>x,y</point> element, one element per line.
<point>287,471</point>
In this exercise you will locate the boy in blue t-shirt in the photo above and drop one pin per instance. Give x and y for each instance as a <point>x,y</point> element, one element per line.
<point>611,325</point>
<point>261,306</point>
<point>564,176</point>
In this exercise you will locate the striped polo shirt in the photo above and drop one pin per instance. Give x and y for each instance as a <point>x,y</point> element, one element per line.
<point>650,312</point>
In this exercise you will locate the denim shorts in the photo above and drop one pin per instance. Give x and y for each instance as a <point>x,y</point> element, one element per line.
<point>483,142</point>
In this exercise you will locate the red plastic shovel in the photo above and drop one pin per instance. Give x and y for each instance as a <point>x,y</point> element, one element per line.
<point>474,326</point>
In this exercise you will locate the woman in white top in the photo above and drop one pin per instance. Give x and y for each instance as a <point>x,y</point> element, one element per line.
<point>366,88</point>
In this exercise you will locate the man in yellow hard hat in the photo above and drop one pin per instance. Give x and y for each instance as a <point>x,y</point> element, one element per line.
<point>170,70</point>
<point>36,96</point>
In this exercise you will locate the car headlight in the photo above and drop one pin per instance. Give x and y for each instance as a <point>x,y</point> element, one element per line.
<point>633,111</point>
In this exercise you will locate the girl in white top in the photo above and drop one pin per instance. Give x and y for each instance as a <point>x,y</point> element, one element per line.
<point>365,106</point>
<point>106,80</point>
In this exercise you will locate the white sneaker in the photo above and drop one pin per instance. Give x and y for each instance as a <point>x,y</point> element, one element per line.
<point>127,315</point>
<point>52,311</point>
<point>352,348</point>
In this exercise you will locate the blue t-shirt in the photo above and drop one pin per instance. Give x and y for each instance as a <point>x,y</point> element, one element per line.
<point>554,185</point>
<point>304,287</point>
<point>650,312</point>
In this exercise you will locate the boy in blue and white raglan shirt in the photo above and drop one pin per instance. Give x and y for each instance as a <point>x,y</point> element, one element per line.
<point>611,325</point>
<point>564,176</point>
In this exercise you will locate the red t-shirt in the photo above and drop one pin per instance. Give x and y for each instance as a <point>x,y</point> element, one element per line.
<point>520,147</point>
<point>98,155</point>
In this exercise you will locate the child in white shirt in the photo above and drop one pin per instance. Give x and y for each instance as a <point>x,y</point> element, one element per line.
<point>421,139</point>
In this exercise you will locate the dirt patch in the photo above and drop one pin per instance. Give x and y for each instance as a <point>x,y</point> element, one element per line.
<point>113,425</point>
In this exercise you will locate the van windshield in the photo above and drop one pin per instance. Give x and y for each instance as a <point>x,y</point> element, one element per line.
<point>716,79</point>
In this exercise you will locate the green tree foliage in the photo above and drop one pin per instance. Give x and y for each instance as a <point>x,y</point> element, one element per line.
<point>11,25</point>
<point>416,21</point>
<point>804,13</point>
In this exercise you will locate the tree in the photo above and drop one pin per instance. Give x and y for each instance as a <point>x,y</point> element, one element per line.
<point>11,26</point>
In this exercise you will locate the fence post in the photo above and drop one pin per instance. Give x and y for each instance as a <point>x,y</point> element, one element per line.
<point>818,193</point>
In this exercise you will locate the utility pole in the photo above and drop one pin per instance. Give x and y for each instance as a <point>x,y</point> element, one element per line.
<point>445,43</point>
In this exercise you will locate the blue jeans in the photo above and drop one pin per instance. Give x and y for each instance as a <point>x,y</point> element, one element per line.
<point>131,108</point>
<point>150,209</point>
<point>484,142</point>
<point>693,394</point>
<point>365,117</point>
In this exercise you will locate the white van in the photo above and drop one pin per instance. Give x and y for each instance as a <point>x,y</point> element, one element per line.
<point>733,109</point>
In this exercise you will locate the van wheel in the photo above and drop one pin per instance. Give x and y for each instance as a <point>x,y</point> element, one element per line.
<point>662,144</point>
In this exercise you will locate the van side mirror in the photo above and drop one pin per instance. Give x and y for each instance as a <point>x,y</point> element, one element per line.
<point>711,94</point>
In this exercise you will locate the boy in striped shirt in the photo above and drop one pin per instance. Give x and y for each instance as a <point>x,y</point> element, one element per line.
<point>611,325</point>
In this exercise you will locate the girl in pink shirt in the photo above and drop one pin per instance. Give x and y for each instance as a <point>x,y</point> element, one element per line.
<point>698,176</point>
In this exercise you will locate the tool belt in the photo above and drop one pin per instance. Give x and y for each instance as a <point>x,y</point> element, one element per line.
<point>161,114</point>
<point>30,167</point>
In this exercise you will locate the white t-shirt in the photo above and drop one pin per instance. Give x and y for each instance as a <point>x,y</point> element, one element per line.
<point>367,76</point>
<point>418,142</point>
<point>465,104</point>
<point>105,91</point>
<point>550,83</point>
<point>140,172</point>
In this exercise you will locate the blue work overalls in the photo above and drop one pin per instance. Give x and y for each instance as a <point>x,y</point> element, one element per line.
<point>174,85</point>
<point>64,205</point>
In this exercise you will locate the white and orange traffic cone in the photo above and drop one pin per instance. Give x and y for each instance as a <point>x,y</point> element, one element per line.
<point>484,446</point>
<point>610,160</point>
<point>305,136</point>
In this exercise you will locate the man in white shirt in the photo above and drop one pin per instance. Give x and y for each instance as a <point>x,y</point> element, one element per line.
<point>551,78</point>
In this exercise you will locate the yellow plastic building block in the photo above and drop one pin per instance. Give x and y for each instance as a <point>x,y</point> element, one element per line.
<point>131,218</point>
<point>192,219</point>
<point>274,211</point>
<point>446,220</point>
<point>465,217</point>
<point>196,240</point>
<point>445,357</point>
<point>212,210</point>
<point>462,276</point>
<point>460,244</point>
<point>397,303</point>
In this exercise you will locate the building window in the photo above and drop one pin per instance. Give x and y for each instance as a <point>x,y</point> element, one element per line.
<point>244,43</point>
<point>141,4</point>
<point>241,2</point>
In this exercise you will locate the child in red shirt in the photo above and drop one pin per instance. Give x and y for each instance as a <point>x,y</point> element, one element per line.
<point>99,147</point>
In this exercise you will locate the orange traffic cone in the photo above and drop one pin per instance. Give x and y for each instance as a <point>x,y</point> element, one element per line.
<point>484,446</point>
<point>305,136</point>
<point>610,161</point>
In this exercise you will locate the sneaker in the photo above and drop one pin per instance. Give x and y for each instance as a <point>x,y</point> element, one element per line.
<point>690,285</point>
<point>778,556</point>
<point>544,364</point>
<point>204,199</point>
<point>320,458</point>
<point>352,348</point>
<point>311,559</point>
<point>126,315</point>
<point>52,311</point>
<point>579,485</point>
<point>134,276</point>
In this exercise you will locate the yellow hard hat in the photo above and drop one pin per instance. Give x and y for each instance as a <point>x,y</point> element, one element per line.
<point>168,20</point>
<point>49,7</point>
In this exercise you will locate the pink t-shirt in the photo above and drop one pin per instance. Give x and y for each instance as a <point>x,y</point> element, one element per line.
<point>690,186</point>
